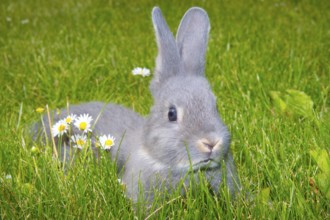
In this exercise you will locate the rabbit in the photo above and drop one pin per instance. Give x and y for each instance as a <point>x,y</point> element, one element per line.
<point>183,132</point>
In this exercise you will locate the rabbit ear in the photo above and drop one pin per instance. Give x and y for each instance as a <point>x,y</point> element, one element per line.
<point>168,59</point>
<point>192,38</point>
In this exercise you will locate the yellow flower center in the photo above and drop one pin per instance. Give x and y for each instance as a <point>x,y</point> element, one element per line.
<point>40,110</point>
<point>83,125</point>
<point>108,142</point>
<point>61,128</point>
<point>68,120</point>
<point>80,142</point>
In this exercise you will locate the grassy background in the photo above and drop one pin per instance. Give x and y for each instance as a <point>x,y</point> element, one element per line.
<point>52,52</point>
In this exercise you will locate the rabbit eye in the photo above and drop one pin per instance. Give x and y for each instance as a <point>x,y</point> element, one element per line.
<point>172,115</point>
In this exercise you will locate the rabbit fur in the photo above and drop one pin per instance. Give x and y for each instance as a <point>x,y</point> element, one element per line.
<point>155,149</point>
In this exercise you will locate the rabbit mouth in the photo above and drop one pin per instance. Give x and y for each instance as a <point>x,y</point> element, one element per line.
<point>207,164</point>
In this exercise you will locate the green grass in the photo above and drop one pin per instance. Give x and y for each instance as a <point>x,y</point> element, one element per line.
<point>52,52</point>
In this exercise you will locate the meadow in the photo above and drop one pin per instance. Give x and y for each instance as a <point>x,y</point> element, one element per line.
<point>268,63</point>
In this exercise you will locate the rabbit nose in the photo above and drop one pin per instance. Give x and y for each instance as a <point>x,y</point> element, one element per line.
<point>207,146</point>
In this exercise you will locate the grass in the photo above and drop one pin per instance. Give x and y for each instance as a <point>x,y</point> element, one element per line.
<point>58,51</point>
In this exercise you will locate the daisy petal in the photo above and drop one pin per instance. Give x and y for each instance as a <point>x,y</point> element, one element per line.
<point>83,123</point>
<point>60,128</point>
<point>106,141</point>
<point>79,141</point>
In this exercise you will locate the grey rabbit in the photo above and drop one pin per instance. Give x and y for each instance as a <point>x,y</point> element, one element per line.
<point>183,132</point>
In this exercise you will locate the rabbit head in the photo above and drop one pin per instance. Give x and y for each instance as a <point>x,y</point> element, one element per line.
<point>184,128</point>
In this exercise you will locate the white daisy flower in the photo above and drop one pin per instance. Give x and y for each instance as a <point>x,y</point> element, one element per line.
<point>25,21</point>
<point>70,119</point>
<point>8,177</point>
<point>141,71</point>
<point>106,141</point>
<point>60,128</point>
<point>83,123</point>
<point>79,140</point>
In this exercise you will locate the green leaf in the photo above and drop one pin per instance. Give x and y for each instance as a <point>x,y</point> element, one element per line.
<point>299,103</point>
<point>323,182</point>
<point>322,159</point>
<point>278,102</point>
<point>265,194</point>
<point>293,102</point>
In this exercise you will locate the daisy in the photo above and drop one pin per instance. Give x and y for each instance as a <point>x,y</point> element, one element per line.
<point>106,142</point>
<point>83,123</point>
<point>40,110</point>
<point>60,128</point>
<point>70,118</point>
<point>79,140</point>
<point>8,177</point>
<point>141,71</point>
